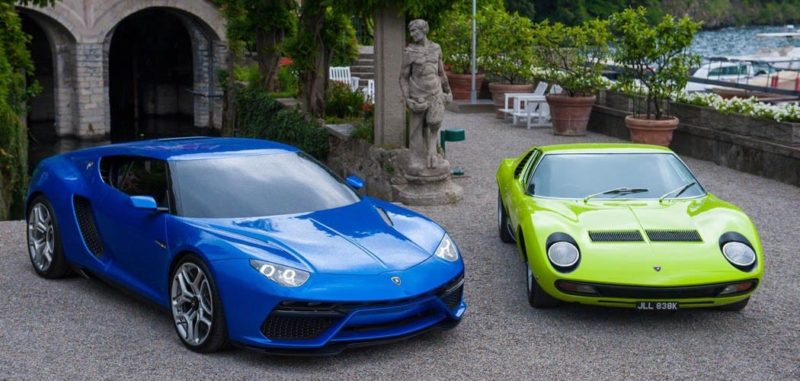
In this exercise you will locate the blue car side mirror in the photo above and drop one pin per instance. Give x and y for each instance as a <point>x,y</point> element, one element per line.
<point>355,182</point>
<point>144,202</point>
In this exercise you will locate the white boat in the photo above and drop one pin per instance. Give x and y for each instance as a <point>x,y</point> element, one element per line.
<point>747,72</point>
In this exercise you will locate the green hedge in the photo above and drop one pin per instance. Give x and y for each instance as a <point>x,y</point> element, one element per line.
<point>261,116</point>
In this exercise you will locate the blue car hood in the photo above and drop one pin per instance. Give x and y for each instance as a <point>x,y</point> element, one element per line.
<point>353,239</point>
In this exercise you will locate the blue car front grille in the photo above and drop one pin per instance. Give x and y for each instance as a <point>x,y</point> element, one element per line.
<point>281,326</point>
<point>306,320</point>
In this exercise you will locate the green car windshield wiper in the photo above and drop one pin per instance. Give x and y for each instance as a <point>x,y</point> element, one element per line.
<point>679,189</point>
<point>622,190</point>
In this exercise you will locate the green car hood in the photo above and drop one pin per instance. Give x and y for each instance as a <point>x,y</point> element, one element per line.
<point>680,261</point>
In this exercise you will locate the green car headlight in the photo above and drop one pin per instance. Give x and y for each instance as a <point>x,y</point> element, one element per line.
<point>738,251</point>
<point>562,251</point>
<point>739,254</point>
<point>282,275</point>
<point>447,249</point>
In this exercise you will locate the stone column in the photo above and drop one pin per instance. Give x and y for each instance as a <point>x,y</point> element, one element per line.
<point>65,107</point>
<point>219,55</point>
<point>390,40</point>
<point>92,84</point>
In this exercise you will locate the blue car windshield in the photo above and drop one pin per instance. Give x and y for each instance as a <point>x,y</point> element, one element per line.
<point>256,186</point>
<point>619,175</point>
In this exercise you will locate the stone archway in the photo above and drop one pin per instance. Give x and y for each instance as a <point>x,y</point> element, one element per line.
<point>150,77</point>
<point>82,31</point>
<point>53,110</point>
<point>161,75</point>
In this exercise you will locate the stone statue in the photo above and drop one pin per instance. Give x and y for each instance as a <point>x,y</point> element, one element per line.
<point>425,92</point>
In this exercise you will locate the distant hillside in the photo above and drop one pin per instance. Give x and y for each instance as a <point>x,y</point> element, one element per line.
<point>713,13</point>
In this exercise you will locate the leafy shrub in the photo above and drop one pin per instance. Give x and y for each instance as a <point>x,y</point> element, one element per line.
<point>288,81</point>
<point>340,35</point>
<point>365,130</point>
<point>572,57</point>
<point>506,44</point>
<point>248,74</point>
<point>639,47</point>
<point>261,116</point>
<point>343,102</point>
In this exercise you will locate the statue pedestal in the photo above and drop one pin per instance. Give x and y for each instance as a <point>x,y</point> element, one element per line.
<point>419,185</point>
<point>389,173</point>
<point>429,193</point>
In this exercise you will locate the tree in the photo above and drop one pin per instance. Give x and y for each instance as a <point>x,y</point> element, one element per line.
<point>16,71</point>
<point>260,26</point>
<point>523,7</point>
<point>312,53</point>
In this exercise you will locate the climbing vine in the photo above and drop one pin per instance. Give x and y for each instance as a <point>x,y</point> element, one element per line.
<point>16,68</point>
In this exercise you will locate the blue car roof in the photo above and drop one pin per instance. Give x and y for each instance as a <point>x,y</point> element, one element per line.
<point>192,148</point>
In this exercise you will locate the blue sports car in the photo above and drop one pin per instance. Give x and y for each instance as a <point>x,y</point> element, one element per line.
<point>248,242</point>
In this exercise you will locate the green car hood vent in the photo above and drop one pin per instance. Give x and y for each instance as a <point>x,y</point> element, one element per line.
<point>674,236</point>
<point>616,236</point>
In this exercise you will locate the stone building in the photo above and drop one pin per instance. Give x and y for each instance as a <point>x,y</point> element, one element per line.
<point>110,68</point>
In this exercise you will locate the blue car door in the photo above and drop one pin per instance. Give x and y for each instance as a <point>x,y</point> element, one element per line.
<point>136,238</point>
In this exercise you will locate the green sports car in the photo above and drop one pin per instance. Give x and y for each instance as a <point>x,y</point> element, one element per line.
<point>624,225</point>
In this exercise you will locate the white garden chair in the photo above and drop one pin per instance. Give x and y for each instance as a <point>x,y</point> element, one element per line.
<point>369,91</point>
<point>342,74</point>
<point>526,104</point>
<point>541,110</point>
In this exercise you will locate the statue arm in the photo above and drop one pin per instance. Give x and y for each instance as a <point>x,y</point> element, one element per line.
<point>443,77</point>
<point>405,73</point>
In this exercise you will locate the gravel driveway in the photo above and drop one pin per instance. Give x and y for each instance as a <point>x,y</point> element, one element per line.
<point>78,328</point>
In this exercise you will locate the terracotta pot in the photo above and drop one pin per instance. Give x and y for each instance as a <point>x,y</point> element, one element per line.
<point>570,114</point>
<point>461,84</point>
<point>651,131</point>
<point>499,91</point>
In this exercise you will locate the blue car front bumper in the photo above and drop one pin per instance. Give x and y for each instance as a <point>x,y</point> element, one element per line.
<point>331,313</point>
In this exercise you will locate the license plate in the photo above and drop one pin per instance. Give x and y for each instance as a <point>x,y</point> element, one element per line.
<point>657,306</point>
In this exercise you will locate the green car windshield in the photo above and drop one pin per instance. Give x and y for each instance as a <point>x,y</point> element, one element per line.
<point>617,175</point>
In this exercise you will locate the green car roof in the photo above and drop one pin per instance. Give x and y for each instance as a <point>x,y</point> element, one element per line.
<point>603,148</point>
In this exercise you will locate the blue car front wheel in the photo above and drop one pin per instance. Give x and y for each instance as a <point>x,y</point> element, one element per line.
<point>195,306</point>
<point>44,240</point>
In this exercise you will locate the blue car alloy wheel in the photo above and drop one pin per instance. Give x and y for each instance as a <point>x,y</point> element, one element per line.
<point>246,242</point>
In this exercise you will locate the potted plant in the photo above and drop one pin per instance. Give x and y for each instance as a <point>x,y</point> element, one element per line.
<point>654,65</point>
<point>573,58</point>
<point>454,36</point>
<point>506,42</point>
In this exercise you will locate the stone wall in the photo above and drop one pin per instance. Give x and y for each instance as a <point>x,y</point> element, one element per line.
<point>754,145</point>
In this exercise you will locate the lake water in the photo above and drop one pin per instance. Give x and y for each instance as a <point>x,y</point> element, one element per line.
<point>738,41</point>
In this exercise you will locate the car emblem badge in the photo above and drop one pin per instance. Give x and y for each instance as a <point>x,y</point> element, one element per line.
<point>657,268</point>
<point>396,280</point>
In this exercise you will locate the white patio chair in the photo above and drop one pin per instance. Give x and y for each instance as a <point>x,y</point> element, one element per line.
<point>369,91</point>
<point>342,74</point>
<point>523,102</point>
<point>541,110</point>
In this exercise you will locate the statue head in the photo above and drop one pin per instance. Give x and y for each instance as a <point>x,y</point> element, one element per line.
<point>418,29</point>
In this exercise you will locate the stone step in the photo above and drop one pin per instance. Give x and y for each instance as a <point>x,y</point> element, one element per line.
<point>365,62</point>
<point>362,68</point>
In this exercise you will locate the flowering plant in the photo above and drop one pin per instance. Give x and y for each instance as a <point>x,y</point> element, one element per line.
<point>789,112</point>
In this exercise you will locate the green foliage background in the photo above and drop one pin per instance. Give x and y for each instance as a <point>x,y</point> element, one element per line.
<point>712,13</point>
<point>16,68</point>
<point>261,116</point>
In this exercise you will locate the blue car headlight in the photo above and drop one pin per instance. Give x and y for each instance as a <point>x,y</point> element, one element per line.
<point>282,275</point>
<point>447,249</point>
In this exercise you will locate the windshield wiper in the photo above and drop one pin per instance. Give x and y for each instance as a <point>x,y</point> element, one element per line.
<point>680,190</point>
<point>622,190</point>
